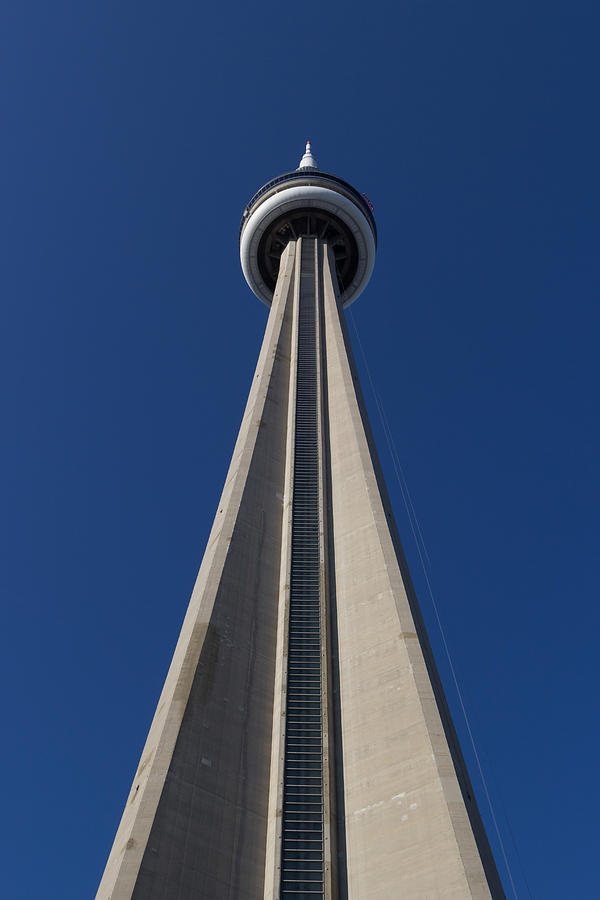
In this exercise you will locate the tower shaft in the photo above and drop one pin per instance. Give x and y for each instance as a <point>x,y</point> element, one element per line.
<point>302,744</point>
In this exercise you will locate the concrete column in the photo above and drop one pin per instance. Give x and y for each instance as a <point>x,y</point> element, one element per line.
<point>275,802</point>
<point>194,825</point>
<point>411,824</point>
<point>203,818</point>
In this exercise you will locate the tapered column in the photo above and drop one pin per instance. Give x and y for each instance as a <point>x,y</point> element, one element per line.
<point>195,821</point>
<point>412,827</point>
<point>302,744</point>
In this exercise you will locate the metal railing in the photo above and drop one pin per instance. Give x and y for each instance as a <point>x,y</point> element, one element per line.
<point>313,176</point>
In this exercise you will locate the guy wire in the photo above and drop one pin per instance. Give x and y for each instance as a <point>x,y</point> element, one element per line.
<point>422,551</point>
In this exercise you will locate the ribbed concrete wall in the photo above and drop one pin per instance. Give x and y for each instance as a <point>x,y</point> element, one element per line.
<point>195,821</point>
<point>408,832</point>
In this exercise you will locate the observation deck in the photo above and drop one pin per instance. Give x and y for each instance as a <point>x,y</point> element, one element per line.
<point>308,201</point>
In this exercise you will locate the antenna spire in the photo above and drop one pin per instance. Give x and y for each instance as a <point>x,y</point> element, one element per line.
<point>308,161</point>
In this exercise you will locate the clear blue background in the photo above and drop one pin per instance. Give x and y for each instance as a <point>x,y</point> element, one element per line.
<point>132,136</point>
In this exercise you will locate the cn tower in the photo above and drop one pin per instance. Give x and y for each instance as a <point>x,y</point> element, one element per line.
<point>302,746</point>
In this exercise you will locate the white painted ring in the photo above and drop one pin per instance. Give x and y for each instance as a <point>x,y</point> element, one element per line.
<point>297,198</point>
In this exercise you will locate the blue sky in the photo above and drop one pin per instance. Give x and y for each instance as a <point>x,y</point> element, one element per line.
<point>133,135</point>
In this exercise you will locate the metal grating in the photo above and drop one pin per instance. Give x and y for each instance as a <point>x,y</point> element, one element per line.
<point>302,866</point>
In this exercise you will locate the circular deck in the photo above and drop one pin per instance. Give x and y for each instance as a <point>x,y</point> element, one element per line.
<point>308,202</point>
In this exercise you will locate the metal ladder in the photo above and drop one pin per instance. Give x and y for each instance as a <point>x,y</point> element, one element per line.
<point>302,863</point>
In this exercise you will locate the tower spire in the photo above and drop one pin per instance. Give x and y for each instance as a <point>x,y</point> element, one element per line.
<point>308,161</point>
<point>302,745</point>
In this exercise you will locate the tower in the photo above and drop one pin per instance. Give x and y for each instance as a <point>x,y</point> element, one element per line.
<point>302,745</point>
